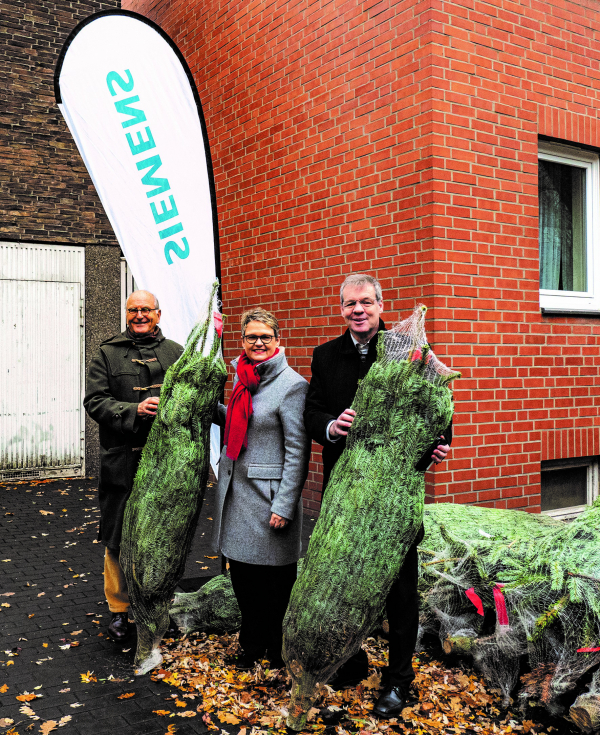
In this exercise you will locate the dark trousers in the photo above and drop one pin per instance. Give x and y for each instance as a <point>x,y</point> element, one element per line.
<point>402,608</point>
<point>262,593</point>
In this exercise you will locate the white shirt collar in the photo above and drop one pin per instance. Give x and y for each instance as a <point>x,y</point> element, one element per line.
<point>362,348</point>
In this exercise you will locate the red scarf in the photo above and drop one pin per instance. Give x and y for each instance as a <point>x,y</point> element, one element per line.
<point>239,408</point>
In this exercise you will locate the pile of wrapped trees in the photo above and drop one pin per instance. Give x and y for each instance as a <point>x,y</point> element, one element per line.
<point>163,508</point>
<point>492,589</point>
<point>508,588</point>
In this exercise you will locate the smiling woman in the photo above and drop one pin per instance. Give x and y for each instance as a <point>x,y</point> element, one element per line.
<point>263,465</point>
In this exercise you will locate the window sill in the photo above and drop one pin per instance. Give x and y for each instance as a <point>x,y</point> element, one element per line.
<point>570,312</point>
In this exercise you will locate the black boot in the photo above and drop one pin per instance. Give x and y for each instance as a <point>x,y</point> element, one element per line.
<point>118,627</point>
<point>391,702</point>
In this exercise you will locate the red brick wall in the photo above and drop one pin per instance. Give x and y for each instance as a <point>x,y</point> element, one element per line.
<point>400,138</point>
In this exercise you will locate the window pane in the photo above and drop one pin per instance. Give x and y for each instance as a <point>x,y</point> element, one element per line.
<point>564,488</point>
<point>562,227</point>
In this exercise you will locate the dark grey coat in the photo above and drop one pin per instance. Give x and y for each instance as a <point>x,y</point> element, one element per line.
<point>268,476</point>
<point>117,371</point>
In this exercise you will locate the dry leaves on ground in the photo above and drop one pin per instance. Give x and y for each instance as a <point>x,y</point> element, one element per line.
<point>126,695</point>
<point>451,701</point>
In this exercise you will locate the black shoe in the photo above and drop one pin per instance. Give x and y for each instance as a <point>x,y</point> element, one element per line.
<point>118,627</point>
<point>241,661</point>
<point>391,702</point>
<point>352,672</point>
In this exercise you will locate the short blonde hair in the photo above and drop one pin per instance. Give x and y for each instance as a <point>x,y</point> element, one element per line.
<point>258,314</point>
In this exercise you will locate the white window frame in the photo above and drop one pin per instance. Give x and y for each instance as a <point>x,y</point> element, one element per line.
<point>592,484</point>
<point>128,286</point>
<point>578,301</point>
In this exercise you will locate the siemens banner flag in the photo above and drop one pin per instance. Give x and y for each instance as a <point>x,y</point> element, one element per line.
<point>132,107</point>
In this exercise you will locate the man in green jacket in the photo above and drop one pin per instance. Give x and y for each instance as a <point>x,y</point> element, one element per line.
<point>122,395</point>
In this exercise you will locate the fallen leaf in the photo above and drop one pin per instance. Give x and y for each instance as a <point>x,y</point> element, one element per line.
<point>3,688</point>
<point>127,695</point>
<point>48,726</point>
<point>76,632</point>
<point>45,645</point>
<point>179,703</point>
<point>6,559</point>
<point>6,721</point>
<point>47,513</point>
<point>64,720</point>
<point>74,644</point>
<point>4,604</point>
<point>228,717</point>
<point>161,712</point>
<point>7,594</point>
<point>64,691</point>
<point>31,616</point>
<point>10,663</point>
<point>76,704</point>
<point>210,557</point>
<point>41,594</point>
<point>27,697</point>
<point>29,712</point>
<point>373,681</point>
<point>188,713</point>
<point>89,676</point>
<point>171,729</point>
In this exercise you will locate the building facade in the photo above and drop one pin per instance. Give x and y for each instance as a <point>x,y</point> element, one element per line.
<point>436,144</point>
<point>60,264</point>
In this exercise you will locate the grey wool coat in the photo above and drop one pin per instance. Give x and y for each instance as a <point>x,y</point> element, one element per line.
<point>268,476</point>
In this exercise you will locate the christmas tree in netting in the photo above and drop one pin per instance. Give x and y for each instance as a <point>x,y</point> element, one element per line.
<point>371,512</point>
<point>168,490</point>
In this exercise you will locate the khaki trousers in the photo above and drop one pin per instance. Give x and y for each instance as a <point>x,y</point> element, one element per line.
<point>115,586</point>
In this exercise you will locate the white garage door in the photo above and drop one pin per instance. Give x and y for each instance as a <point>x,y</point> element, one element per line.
<point>41,360</point>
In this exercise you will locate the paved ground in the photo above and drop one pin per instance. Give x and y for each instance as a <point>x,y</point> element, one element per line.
<point>53,617</point>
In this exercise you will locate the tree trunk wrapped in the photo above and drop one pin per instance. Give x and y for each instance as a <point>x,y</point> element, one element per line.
<point>371,512</point>
<point>168,491</point>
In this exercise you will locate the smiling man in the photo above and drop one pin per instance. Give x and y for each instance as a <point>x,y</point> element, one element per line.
<point>337,366</point>
<point>122,396</point>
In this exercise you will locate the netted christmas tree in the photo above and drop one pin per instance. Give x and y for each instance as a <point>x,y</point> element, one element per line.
<point>167,495</point>
<point>213,608</point>
<point>371,512</point>
<point>517,589</point>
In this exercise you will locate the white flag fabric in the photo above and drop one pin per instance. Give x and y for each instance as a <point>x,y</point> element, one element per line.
<point>131,105</point>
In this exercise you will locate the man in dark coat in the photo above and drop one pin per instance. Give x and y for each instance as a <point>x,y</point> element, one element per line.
<point>337,366</point>
<point>122,395</point>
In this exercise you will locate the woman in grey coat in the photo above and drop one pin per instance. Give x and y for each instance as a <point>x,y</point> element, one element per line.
<point>263,466</point>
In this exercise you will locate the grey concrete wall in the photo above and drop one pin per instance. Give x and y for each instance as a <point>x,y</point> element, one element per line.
<point>102,320</point>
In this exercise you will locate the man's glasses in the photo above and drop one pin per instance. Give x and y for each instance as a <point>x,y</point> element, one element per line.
<point>365,303</point>
<point>145,311</point>
<point>264,338</point>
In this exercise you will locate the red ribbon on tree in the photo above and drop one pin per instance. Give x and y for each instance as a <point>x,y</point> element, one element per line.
<point>475,599</point>
<point>500,603</point>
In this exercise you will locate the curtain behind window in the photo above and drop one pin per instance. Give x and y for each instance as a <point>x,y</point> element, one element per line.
<point>562,227</point>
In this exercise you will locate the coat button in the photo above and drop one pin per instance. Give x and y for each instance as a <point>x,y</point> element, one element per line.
<point>120,406</point>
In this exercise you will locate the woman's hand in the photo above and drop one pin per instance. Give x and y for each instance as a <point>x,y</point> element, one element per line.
<point>277,521</point>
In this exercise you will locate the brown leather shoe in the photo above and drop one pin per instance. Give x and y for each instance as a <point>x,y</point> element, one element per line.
<point>118,627</point>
